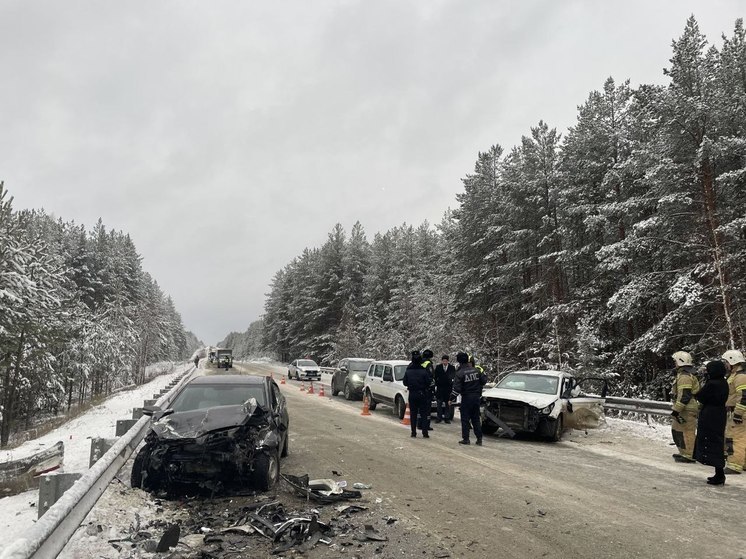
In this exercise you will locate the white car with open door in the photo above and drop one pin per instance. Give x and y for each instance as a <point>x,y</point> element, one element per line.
<point>543,402</point>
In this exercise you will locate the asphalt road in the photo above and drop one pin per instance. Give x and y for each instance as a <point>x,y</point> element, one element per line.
<point>604,493</point>
<point>582,497</point>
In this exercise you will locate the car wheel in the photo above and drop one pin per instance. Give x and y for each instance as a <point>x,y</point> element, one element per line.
<point>290,377</point>
<point>335,390</point>
<point>266,470</point>
<point>349,395</point>
<point>285,447</point>
<point>139,477</point>
<point>559,426</point>
<point>371,402</point>
<point>400,409</point>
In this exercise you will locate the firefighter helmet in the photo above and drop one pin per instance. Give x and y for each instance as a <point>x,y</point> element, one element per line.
<point>682,358</point>
<point>734,357</point>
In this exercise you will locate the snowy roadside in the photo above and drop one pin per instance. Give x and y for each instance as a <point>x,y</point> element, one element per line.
<point>18,512</point>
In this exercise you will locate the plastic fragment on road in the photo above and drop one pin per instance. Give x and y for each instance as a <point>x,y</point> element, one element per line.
<point>361,486</point>
<point>302,486</point>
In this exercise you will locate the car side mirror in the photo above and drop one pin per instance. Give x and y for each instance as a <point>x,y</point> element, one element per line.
<point>388,377</point>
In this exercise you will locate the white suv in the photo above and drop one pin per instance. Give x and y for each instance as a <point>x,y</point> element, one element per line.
<point>383,385</point>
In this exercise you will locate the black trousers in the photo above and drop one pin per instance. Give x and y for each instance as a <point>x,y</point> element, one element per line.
<point>419,405</point>
<point>470,416</point>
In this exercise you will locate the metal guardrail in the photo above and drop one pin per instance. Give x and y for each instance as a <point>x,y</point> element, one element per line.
<point>647,408</point>
<point>54,529</point>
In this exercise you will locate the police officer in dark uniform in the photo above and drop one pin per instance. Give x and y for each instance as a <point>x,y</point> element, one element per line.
<point>427,364</point>
<point>469,382</point>
<point>417,381</point>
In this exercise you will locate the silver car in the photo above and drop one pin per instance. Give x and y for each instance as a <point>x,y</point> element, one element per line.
<point>304,369</point>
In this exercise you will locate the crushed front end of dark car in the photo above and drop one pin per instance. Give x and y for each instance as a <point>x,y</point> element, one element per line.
<point>210,448</point>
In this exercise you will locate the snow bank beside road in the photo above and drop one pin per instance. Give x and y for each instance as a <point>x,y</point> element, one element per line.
<point>18,512</point>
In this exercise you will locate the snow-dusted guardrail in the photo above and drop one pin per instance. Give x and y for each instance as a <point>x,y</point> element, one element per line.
<point>55,528</point>
<point>643,407</point>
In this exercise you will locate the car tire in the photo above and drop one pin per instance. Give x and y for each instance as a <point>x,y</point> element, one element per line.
<point>349,394</point>
<point>371,402</point>
<point>139,467</point>
<point>285,447</point>
<point>335,390</point>
<point>559,426</point>
<point>400,408</point>
<point>266,470</point>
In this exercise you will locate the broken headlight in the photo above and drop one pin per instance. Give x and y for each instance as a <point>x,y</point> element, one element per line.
<point>548,409</point>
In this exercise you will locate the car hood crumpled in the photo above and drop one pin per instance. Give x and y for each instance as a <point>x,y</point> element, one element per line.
<point>195,423</point>
<point>531,398</point>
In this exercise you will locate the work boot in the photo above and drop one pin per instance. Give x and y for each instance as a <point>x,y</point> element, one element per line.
<point>425,435</point>
<point>479,442</point>
<point>447,422</point>
<point>438,421</point>
<point>464,441</point>
<point>413,435</point>
<point>683,459</point>
<point>732,472</point>
<point>716,480</point>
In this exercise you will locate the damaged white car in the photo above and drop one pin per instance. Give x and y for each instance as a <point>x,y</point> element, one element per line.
<point>543,402</point>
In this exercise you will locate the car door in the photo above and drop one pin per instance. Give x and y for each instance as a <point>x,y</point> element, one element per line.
<point>376,383</point>
<point>387,384</point>
<point>585,401</point>
<point>338,380</point>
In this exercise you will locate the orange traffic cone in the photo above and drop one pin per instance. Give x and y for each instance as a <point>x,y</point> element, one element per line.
<point>321,390</point>
<point>303,386</point>
<point>407,418</point>
<point>310,390</point>
<point>283,380</point>
<point>366,409</point>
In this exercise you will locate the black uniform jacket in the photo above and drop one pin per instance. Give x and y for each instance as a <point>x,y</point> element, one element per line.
<point>469,381</point>
<point>417,381</point>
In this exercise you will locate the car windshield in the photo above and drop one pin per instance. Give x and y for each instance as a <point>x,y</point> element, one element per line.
<point>306,363</point>
<point>358,366</point>
<point>542,384</point>
<point>201,396</point>
<point>399,371</point>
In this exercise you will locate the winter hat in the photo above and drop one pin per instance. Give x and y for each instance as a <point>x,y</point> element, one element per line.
<point>416,357</point>
<point>715,369</point>
<point>462,358</point>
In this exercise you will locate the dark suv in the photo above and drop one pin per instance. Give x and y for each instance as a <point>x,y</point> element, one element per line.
<point>349,377</point>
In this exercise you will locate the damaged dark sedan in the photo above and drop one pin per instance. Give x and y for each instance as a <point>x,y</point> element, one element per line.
<point>218,430</point>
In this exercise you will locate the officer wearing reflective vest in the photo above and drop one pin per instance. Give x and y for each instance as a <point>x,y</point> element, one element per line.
<point>735,430</point>
<point>685,407</point>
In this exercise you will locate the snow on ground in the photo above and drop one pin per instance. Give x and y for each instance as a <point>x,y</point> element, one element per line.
<point>19,511</point>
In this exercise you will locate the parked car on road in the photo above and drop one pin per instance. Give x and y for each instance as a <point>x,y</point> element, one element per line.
<point>543,402</point>
<point>304,369</point>
<point>383,385</point>
<point>349,377</point>
<point>219,429</point>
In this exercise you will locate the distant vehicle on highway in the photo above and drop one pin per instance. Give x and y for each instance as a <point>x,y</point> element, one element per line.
<point>349,377</point>
<point>219,429</point>
<point>543,402</point>
<point>224,358</point>
<point>304,369</point>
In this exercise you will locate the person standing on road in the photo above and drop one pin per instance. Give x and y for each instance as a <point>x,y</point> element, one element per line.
<point>735,432</point>
<point>708,448</point>
<point>685,407</point>
<point>469,382</point>
<point>444,374</point>
<point>427,364</point>
<point>417,381</point>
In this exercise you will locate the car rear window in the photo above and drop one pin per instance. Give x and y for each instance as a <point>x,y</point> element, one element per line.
<point>201,396</point>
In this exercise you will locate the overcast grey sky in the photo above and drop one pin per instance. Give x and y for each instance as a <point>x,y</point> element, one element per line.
<point>227,136</point>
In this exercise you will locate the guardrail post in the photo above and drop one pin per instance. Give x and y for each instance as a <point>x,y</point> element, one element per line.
<point>124,425</point>
<point>149,402</point>
<point>52,487</point>
<point>136,413</point>
<point>99,446</point>
<point>156,396</point>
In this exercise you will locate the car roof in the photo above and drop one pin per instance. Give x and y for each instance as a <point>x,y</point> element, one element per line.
<point>393,362</point>
<point>228,379</point>
<point>544,373</point>
<point>359,359</point>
